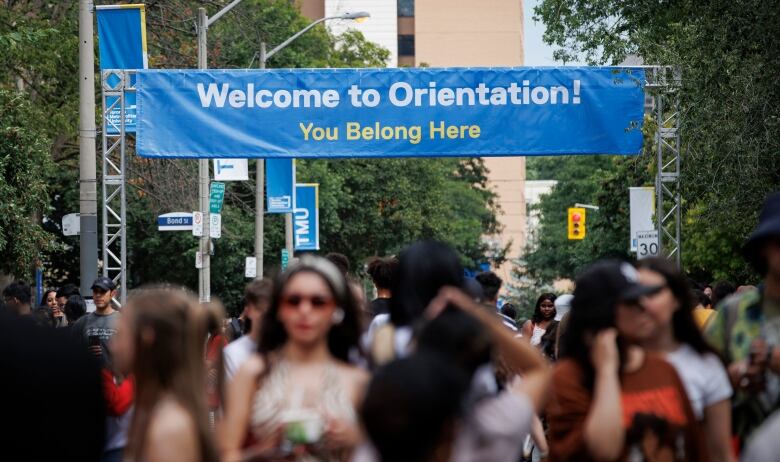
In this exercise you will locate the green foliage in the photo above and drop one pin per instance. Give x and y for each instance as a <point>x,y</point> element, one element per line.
<point>598,180</point>
<point>727,51</point>
<point>24,166</point>
<point>368,207</point>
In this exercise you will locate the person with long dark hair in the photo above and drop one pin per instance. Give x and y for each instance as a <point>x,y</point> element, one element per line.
<point>423,269</point>
<point>160,339</point>
<point>611,399</point>
<point>677,337</point>
<point>542,319</point>
<point>297,396</point>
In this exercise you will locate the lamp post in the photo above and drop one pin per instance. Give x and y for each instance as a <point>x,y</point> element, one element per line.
<point>204,273</point>
<point>259,210</point>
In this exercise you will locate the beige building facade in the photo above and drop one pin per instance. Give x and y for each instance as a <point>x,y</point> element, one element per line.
<point>462,33</point>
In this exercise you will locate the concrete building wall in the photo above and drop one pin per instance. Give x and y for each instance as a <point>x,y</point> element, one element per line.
<point>468,32</point>
<point>481,33</point>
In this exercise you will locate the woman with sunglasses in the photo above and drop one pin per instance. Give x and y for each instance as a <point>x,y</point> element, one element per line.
<point>296,398</point>
<point>677,337</point>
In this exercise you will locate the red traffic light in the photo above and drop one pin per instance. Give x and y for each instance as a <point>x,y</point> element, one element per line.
<point>575,217</point>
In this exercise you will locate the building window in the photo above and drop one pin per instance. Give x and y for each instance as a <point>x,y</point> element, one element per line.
<point>406,45</point>
<point>406,8</point>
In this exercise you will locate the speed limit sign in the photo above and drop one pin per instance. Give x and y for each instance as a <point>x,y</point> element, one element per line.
<point>647,244</point>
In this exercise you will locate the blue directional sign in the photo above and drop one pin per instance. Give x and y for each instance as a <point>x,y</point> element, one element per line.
<point>280,185</point>
<point>175,221</point>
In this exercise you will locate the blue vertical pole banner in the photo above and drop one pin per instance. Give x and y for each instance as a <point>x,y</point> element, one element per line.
<point>122,45</point>
<point>280,185</point>
<point>306,219</point>
<point>424,112</point>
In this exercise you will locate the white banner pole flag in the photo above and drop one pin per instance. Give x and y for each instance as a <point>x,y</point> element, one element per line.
<point>642,208</point>
<point>231,170</point>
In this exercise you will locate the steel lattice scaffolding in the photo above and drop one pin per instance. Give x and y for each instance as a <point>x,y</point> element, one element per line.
<point>115,84</point>
<point>664,84</point>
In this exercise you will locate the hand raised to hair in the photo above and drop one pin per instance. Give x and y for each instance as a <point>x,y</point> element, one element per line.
<point>448,296</point>
<point>604,351</point>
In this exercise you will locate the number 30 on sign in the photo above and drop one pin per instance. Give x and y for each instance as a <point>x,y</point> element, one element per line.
<point>647,244</point>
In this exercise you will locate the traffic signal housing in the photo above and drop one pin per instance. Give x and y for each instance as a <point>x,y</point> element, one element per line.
<point>576,221</point>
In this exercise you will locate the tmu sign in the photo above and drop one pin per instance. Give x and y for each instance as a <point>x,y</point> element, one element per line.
<point>306,218</point>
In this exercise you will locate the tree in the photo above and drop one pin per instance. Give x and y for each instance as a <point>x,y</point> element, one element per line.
<point>368,206</point>
<point>24,165</point>
<point>599,180</point>
<point>727,51</point>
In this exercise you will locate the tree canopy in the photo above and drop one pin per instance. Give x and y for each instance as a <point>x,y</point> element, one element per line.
<point>368,207</point>
<point>730,105</point>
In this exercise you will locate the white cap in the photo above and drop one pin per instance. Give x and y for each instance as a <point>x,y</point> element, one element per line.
<point>562,305</point>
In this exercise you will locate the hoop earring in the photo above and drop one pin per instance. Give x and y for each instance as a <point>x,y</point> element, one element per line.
<point>338,316</point>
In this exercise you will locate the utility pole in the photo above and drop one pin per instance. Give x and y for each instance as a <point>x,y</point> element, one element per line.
<point>259,204</point>
<point>204,272</point>
<point>88,252</point>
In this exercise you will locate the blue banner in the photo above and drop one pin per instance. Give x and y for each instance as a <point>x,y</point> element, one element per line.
<point>122,45</point>
<point>390,112</point>
<point>280,185</point>
<point>306,219</point>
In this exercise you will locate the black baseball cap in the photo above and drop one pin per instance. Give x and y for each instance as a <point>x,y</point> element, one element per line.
<point>103,283</point>
<point>611,282</point>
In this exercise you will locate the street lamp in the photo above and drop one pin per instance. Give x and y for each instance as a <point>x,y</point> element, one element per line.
<point>288,217</point>
<point>204,273</point>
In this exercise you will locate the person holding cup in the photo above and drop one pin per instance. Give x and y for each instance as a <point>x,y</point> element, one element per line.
<point>296,398</point>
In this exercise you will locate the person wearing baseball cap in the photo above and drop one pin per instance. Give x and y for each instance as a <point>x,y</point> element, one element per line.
<point>609,396</point>
<point>96,330</point>
<point>745,328</point>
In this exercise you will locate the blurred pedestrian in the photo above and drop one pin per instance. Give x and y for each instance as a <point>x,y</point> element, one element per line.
<point>542,319</point>
<point>677,337</point>
<point>423,269</point>
<point>746,328</point>
<point>49,300</point>
<point>383,272</point>
<point>703,310</point>
<point>611,400</point>
<point>297,396</point>
<point>17,297</point>
<point>412,409</point>
<point>50,394</point>
<point>721,291</point>
<point>216,341</point>
<point>74,309</point>
<point>95,331</point>
<point>65,292</point>
<point>341,262</point>
<point>257,297</point>
<point>44,316</point>
<point>160,339</point>
<point>491,285</point>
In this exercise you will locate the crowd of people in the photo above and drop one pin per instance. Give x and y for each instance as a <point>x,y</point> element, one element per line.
<point>637,364</point>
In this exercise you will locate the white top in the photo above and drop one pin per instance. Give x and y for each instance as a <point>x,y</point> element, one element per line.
<point>704,378</point>
<point>236,354</point>
<point>401,340</point>
<point>494,429</point>
<point>536,335</point>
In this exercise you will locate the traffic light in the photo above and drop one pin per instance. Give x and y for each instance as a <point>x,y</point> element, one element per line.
<point>576,223</point>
